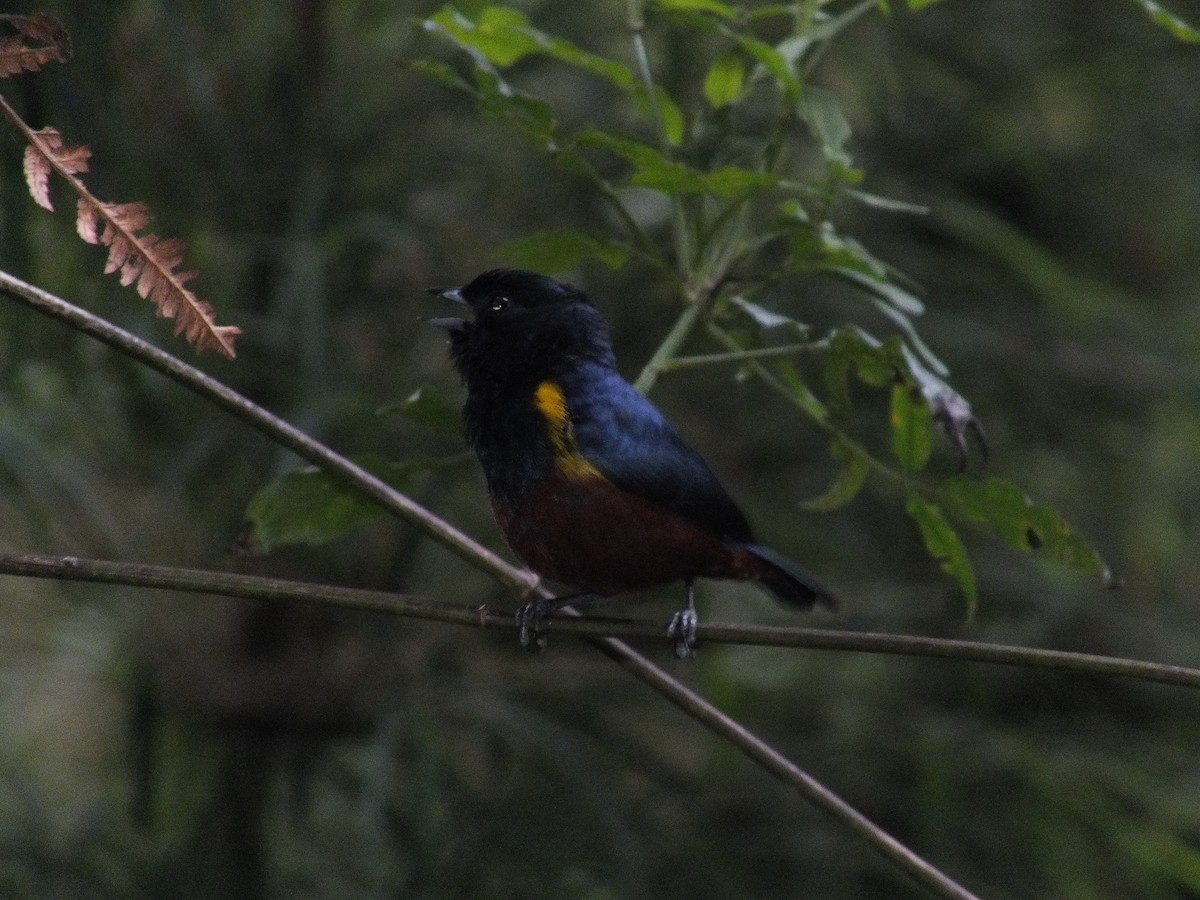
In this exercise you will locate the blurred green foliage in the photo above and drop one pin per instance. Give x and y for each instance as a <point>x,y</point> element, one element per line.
<point>165,746</point>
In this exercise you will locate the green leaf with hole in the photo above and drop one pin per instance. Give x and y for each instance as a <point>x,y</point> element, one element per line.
<point>943,544</point>
<point>725,80</point>
<point>1022,523</point>
<point>912,428</point>
<point>309,507</point>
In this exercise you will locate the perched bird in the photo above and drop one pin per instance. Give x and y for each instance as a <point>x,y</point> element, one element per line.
<point>592,487</point>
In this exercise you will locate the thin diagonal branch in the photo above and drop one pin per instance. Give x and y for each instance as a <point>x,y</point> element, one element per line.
<point>256,587</point>
<point>272,426</point>
<point>686,699</point>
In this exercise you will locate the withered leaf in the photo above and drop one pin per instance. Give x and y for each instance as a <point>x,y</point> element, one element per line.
<point>17,54</point>
<point>43,154</point>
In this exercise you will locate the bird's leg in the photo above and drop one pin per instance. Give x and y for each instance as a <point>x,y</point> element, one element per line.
<point>681,630</point>
<point>530,616</point>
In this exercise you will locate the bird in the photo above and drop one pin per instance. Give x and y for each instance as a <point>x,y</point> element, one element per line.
<point>590,484</point>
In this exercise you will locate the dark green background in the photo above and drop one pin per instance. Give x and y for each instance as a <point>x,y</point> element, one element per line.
<point>156,745</point>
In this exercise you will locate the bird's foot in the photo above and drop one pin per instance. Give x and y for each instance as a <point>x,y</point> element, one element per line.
<point>529,624</point>
<point>531,616</point>
<point>681,631</point>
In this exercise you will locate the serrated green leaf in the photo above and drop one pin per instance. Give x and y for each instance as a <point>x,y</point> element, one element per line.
<point>912,429</point>
<point>308,507</point>
<point>944,545</point>
<point>428,408</point>
<point>853,474</point>
<point>725,80</point>
<point>820,109</point>
<point>565,248</point>
<point>1021,523</point>
<point>1179,28</point>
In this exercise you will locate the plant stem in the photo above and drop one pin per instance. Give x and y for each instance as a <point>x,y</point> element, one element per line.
<point>636,24</point>
<point>671,343</point>
<point>734,356</point>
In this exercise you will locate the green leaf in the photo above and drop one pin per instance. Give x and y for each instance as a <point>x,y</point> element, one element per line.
<point>820,109</point>
<point>725,79</point>
<point>1179,28</point>
<point>875,362</point>
<point>652,169</point>
<point>308,507</point>
<point>503,36</point>
<point>498,35</point>
<point>899,306</point>
<point>1021,523</point>
<point>557,251</point>
<point>891,293</point>
<point>767,318</point>
<point>722,10</point>
<point>772,61</point>
<point>887,204</point>
<point>912,428</point>
<point>672,115</point>
<point>944,545</point>
<point>427,407</point>
<point>850,479</point>
<point>799,393</point>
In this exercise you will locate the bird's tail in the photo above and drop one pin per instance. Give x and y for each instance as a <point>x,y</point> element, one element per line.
<point>788,581</point>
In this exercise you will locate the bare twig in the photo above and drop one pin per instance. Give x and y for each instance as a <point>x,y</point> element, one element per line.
<point>418,607</point>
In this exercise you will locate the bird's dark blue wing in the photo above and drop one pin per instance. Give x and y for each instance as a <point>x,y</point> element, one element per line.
<point>623,435</point>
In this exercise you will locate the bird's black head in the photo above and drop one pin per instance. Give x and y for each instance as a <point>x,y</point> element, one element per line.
<point>525,328</point>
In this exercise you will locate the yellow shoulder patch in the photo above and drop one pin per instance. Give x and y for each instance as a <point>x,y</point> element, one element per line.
<point>552,404</point>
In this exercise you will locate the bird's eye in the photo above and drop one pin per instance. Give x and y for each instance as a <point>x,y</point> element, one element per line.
<point>499,304</point>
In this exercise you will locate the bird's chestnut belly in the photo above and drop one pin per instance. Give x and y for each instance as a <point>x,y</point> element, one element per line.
<point>590,535</point>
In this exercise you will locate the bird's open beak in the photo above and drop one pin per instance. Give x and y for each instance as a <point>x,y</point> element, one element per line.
<point>453,294</point>
<point>450,323</point>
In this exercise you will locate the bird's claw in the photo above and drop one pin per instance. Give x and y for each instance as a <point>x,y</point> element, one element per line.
<point>529,625</point>
<point>681,631</point>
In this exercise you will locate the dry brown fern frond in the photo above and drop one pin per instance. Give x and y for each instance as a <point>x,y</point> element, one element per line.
<point>147,261</point>
<point>17,54</point>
